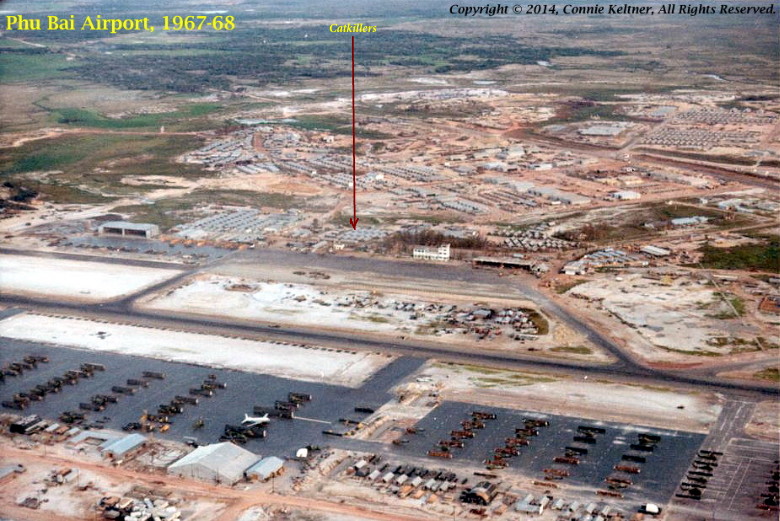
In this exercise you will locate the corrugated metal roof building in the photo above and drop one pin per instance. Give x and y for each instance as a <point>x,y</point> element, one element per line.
<point>219,462</point>
<point>119,448</point>
<point>265,469</point>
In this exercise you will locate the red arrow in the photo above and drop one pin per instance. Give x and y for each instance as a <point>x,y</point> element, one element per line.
<point>354,219</point>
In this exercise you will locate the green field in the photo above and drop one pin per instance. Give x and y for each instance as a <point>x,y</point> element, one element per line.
<point>335,124</point>
<point>75,158</point>
<point>172,120</point>
<point>33,67</point>
<point>79,154</point>
<point>763,257</point>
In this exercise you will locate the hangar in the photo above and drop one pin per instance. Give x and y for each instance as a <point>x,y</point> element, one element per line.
<point>125,228</point>
<point>219,462</point>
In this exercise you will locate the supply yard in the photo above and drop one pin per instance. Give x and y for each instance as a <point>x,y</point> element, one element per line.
<point>497,323</point>
<point>398,403</point>
<point>536,455</point>
<point>242,393</point>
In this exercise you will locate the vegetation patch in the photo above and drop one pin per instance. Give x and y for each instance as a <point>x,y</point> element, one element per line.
<point>33,65</point>
<point>87,118</point>
<point>563,287</point>
<point>690,352</point>
<point>578,350</point>
<point>405,241</point>
<point>542,326</point>
<point>378,319</point>
<point>764,257</point>
<point>734,304</point>
<point>771,373</point>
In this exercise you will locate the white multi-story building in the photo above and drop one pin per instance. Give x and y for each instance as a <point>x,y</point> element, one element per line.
<point>441,253</point>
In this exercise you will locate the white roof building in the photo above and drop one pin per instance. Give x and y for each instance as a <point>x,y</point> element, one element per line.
<point>265,469</point>
<point>625,195</point>
<point>219,462</point>
<point>116,449</point>
<point>655,251</point>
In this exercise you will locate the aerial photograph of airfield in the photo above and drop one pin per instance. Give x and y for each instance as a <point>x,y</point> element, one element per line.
<point>560,302</point>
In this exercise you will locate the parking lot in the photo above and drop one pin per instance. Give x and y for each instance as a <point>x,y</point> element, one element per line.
<point>660,474</point>
<point>243,392</point>
<point>741,477</point>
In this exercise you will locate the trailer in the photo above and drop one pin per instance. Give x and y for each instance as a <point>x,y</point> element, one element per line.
<point>495,463</point>
<point>458,435</point>
<point>439,454</point>
<point>31,396</point>
<point>190,400</point>
<point>634,458</point>
<point>630,469</point>
<point>153,374</point>
<point>511,442</point>
<point>71,416</point>
<point>286,414</point>
<point>507,451</point>
<point>458,444</point>
<point>169,409</point>
<point>302,397</point>
<point>122,389</point>
<point>587,429</point>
